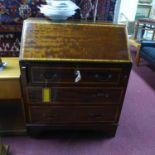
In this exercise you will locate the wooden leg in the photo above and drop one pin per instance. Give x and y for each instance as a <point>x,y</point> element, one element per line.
<point>136,30</point>
<point>34,132</point>
<point>137,59</point>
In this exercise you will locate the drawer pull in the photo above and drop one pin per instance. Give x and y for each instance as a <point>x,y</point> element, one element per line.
<point>78,76</point>
<point>105,95</point>
<point>103,77</point>
<point>50,76</point>
<point>51,116</point>
<point>97,116</point>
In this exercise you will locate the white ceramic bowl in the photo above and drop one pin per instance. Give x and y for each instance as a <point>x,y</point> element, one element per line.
<point>64,4</point>
<point>57,12</point>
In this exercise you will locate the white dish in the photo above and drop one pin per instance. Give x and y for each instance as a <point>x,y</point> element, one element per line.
<point>62,3</point>
<point>58,10</point>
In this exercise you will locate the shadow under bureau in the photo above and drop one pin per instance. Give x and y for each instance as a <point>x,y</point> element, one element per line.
<point>73,75</point>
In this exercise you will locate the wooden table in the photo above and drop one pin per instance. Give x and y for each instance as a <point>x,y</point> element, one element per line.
<point>11,113</point>
<point>9,79</point>
<point>137,45</point>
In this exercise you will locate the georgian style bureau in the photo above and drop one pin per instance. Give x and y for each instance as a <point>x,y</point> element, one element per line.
<point>73,75</point>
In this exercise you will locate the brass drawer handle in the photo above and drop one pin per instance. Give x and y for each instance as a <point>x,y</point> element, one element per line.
<point>97,116</point>
<point>51,116</point>
<point>103,77</point>
<point>105,95</point>
<point>49,76</point>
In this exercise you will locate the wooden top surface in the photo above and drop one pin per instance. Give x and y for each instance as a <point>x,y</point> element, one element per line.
<point>73,41</point>
<point>11,71</point>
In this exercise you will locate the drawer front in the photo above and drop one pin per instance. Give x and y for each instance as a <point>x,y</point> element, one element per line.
<point>49,75</point>
<point>73,95</point>
<point>73,114</point>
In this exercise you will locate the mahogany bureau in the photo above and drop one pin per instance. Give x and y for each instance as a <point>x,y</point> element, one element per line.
<point>74,75</point>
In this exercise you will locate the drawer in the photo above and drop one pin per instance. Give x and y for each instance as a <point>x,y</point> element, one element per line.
<point>73,95</point>
<point>73,114</point>
<point>51,75</point>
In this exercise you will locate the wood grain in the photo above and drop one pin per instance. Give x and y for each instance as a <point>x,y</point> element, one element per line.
<point>42,39</point>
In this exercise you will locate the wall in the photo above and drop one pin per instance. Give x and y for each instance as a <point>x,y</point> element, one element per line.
<point>128,8</point>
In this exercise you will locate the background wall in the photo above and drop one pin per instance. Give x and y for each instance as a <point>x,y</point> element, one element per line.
<point>127,10</point>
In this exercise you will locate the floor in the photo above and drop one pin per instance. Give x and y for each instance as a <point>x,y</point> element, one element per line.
<point>135,134</point>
